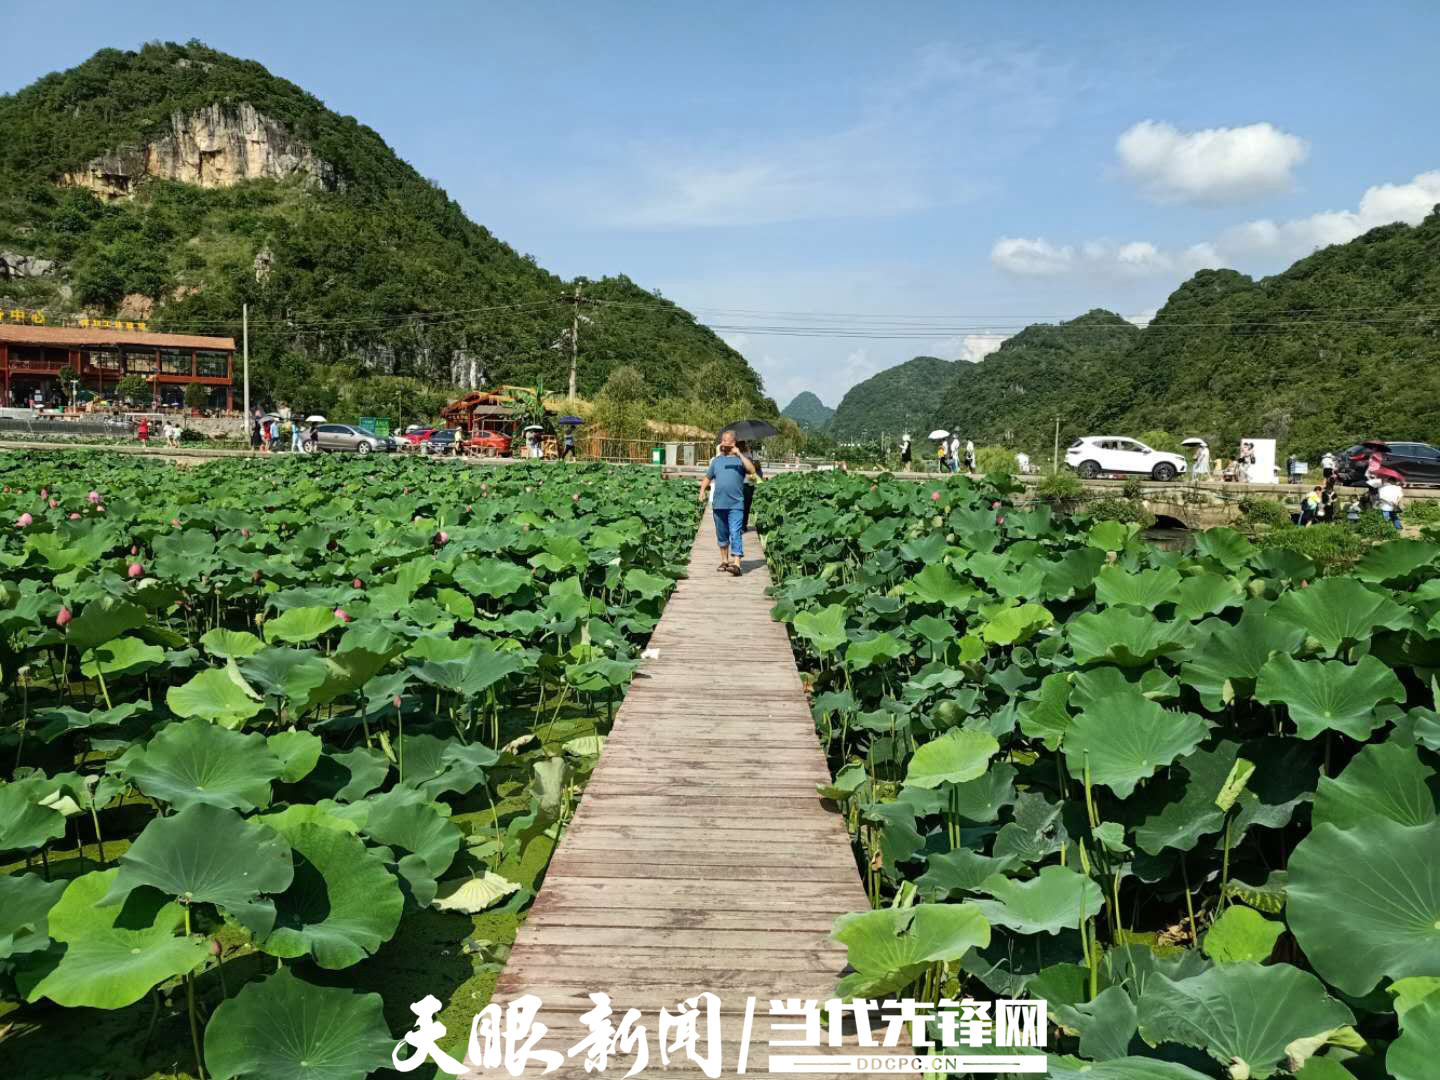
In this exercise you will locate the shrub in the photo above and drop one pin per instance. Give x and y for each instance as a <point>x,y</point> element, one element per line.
<point>1060,485</point>
<point>1111,508</point>
<point>135,388</point>
<point>991,459</point>
<point>1372,525</point>
<point>197,396</point>
<point>1132,488</point>
<point>1272,512</point>
<point>1332,547</point>
<point>1423,511</point>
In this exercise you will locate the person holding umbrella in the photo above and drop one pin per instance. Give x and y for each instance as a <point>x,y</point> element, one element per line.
<point>905,451</point>
<point>728,471</point>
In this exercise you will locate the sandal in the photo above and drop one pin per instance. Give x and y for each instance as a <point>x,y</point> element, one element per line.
<point>732,568</point>
<point>723,568</point>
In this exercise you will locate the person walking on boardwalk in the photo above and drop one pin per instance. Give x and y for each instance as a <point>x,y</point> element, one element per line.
<point>728,470</point>
<point>751,482</point>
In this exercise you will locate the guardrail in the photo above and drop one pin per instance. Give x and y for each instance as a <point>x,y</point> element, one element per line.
<point>54,425</point>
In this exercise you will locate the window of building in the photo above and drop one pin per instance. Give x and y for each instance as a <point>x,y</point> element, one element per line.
<point>175,362</point>
<point>141,362</point>
<point>212,365</point>
<point>105,359</point>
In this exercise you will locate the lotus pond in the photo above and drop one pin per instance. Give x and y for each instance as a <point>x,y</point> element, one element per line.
<point>279,735</point>
<point>1187,798</point>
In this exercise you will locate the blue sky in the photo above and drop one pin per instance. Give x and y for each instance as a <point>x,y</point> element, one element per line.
<point>987,163</point>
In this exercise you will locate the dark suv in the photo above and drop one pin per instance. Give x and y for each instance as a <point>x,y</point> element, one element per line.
<point>1418,463</point>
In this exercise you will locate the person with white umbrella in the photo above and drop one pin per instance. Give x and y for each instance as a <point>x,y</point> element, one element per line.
<point>942,452</point>
<point>905,451</point>
<point>1202,456</point>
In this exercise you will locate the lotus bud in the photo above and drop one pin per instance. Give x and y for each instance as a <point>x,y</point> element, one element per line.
<point>995,505</point>
<point>342,614</point>
<point>135,570</point>
<point>93,497</point>
<point>54,504</point>
<point>934,496</point>
<point>1000,520</point>
<point>44,493</point>
<point>469,508</point>
<point>134,549</point>
<point>214,948</point>
<point>64,617</point>
<point>74,517</point>
<point>24,520</point>
<point>357,584</point>
<point>441,538</point>
<point>396,701</point>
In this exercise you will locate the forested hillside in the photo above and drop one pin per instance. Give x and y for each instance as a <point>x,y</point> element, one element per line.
<point>896,400</point>
<point>1014,395</point>
<point>344,252</point>
<point>808,411</point>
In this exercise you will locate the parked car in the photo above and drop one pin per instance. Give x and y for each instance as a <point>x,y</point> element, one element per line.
<point>488,443</point>
<point>333,437</point>
<point>1094,455</point>
<point>1418,463</point>
<point>415,435</point>
<point>443,441</point>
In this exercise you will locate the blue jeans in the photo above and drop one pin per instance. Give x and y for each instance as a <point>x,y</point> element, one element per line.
<point>730,530</point>
<point>1392,516</point>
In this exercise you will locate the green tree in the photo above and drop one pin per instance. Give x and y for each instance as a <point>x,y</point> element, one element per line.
<point>135,389</point>
<point>197,396</point>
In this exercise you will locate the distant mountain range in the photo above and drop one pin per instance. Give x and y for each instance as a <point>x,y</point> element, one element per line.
<point>808,411</point>
<point>1342,346</point>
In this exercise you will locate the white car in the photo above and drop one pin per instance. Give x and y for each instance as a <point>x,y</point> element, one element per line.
<point>1095,455</point>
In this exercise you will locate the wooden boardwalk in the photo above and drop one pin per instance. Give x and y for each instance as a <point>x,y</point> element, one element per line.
<point>701,857</point>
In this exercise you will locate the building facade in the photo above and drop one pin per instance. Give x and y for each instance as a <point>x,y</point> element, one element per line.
<point>32,357</point>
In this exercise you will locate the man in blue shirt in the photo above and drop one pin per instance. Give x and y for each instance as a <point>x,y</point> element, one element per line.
<point>727,471</point>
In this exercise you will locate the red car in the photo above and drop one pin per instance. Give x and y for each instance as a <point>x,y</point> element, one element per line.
<point>416,436</point>
<point>488,444</point>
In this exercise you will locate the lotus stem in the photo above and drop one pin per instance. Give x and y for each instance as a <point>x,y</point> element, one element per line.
<point>190,1008</point>
<point>100,676</point>
<point>154,1019</point>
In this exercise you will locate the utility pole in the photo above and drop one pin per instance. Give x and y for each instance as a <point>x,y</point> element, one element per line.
<point>245,353</point>
<point>1055,461</point>
<point>574,338</point>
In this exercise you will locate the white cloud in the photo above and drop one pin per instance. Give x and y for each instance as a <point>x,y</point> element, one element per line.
<point>975,347</point>
<point>1032,258</point>
<point>1142,319</point>
<point>1259,244</point>
<point>1212,167</point>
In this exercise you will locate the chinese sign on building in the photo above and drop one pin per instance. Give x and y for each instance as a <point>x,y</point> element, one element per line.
<point>37,318</point>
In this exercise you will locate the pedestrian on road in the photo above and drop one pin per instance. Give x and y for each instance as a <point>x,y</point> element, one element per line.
<point>969,456</point>
<point>255,438</point>
<point>1327,464</point>
<point>905,451</point>
<point>1391,500</point>
<point>1327,498</point>
<point>1312,506</point>
<point>567,449</point>
<point>142,432</point>
<point>1202,461</point>
<point>1244,462</point>
<point>275,435</point>
<point>1022,460</point>
<point>728,471</point>
<point>296,444</point>
<point>1292,469</point>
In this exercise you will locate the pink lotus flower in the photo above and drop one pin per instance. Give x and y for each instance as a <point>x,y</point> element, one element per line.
<point>134,549</point>
<point>1000,520</point>
<point>93,497</point>
<point>357,584</point>
<point>175,522</point>
<point>470,508</point>
<point>54,504</point>
<point>44,493</point>
<point>442,538</point>
<point>74,517</point>
<point>397,701</point>
<point>63,618</point>
<point>995,505</point>
<point>934,496</point>
<point>23,520</point>
<point>342,614</point>
<point>135,570</point>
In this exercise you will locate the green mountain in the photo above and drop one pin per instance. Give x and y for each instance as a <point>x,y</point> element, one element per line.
<point>176,183</point>
<point>896,400</point>
<point>808,411</point>
<point>1013,396</point>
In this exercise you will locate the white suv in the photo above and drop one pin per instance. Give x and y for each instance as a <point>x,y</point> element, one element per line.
<point>1097,454</point>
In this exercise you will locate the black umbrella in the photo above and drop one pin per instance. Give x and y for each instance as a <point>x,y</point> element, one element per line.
<point>750,430</point>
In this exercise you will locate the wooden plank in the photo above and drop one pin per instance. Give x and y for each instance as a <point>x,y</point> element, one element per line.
<point>701,856</point>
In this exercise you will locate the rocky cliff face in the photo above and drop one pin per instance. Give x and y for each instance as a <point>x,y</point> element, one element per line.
<point>212,147</point>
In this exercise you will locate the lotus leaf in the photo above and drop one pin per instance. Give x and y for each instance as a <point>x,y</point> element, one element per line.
<point>1013,625</point>
<point>1412,1055</point>
<point>824,629</point>
<point>1046,716</point>
<point>62,721</point>
<point>342,904</point>
<point>403,818</point>
<point>1111,535</point>
<point>1107,1025</point>
<point>481,668</point>
<point>1242,1015</point>
<point>1053,900</point>
<point>24,823</point>
<point>1145,589</point>
<point>1225,546</point>
<point>960,871</point>
<point>1388,779</point>
<point>214,695</point>
<point>1122,637</point>
<point>953,758</point>
<point>298,751</point>
<point>862,654</point>
<point>206,854</point>
<point>473,895</point>
<point>1036,831</point>
<point>1364,903</point>
<point>1340,611</point>
<point>367,768</point>
<point>301,624</point>
<point>230,644</point>
<point>103,620</point>
<point>283,1029</point>
<point>1394,559</point>
<point>1126,738</point>
<point>294,675</point>
<point>889,948</point>
<point>25,900</point>
<point>1073,573</point>
<point>1242,936</point>
<point>646,585</point>
<point>121,656</point>
<point>1207,594</point>
<point>1329,695</point>
<point>194,762</point>
<point>1130,1068</point>
<point>937,585</point>
<point>1228,659</point>
<point>114,954</point>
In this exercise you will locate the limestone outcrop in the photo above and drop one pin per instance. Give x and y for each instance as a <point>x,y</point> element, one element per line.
<point>213,147</point>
